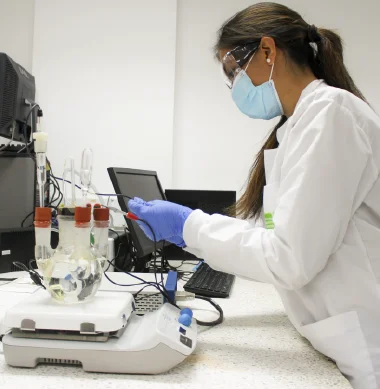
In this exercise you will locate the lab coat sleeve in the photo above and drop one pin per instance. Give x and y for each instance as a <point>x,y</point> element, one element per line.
<point>325,159</point>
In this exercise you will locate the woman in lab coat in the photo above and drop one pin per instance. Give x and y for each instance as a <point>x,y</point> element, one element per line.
<point>310,215</point>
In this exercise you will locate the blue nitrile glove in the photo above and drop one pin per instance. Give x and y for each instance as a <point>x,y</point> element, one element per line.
<point>166,219</point>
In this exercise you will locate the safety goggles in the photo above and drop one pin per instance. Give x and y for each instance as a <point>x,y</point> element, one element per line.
<point>235,59</point>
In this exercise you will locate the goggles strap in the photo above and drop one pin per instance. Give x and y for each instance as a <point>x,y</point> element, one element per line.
<point>249,61</point>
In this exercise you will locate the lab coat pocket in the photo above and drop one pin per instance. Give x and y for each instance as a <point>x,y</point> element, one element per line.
<point>341,339</point>
<point>269,204</point>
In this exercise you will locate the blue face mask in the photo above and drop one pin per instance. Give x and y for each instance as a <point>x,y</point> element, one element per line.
<point>257,102</point>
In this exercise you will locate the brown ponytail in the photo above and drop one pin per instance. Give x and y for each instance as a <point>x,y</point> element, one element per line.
<point>251,202</point>
<point>319,49</point>
<point>327,62</point>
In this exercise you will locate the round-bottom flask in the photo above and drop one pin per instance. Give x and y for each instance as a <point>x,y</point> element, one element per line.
<point>76,273</point>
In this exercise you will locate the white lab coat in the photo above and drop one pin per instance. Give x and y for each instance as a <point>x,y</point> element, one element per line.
<point>323,254</point>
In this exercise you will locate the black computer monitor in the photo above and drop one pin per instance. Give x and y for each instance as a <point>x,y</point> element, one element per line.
<point>209,201</point>
<point>17,93</point>
<point>137,183</point>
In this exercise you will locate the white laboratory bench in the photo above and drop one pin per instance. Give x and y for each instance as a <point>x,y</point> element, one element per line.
<point>256,347</point>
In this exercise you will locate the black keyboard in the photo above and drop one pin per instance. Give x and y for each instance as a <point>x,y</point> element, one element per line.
<point>208,282</point>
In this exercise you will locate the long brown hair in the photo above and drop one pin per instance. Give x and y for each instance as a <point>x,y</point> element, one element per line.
<point>307,46</point>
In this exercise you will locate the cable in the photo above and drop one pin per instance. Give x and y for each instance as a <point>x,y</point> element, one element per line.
<point>155,252</point>
<point>24,130</point>
<point>6,279</point>
<point>142,297</point>
<point>182,275</point>
<point>27,149</point>
<point>129,252</point>
<point>53,199</point>
<point>208,299</point>
<point>36,278</point>
<point>54,179</point>
<point>112,195</point>
<point>126,245</point>
<point>163,291</point>
<point>30,263</point>
<point>216,306</point>
<point>69,182</point>
<point>182,263</point>
<point>20,265</point>
<point>124,285</point>
<point>98,194</point>
<point>156,284</point>
<point>118,250</point>
<point>26,217</point>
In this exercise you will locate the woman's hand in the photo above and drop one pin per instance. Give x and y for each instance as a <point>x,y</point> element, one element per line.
<point>166,219</point>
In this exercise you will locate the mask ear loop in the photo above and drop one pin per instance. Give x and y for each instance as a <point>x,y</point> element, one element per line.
<point>271,72</point>
<point>275,92</point>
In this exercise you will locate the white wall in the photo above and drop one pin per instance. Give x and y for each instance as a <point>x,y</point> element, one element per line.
<point>16,30</point>
<point>214,144</point>
<point>105,75</point>
<point>16,33</point>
